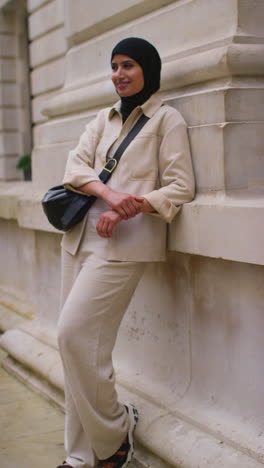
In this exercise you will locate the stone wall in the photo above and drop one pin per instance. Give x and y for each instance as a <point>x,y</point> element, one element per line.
<point>190,349</point>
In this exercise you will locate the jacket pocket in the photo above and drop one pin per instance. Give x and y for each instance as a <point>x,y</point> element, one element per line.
<point>143,158</point>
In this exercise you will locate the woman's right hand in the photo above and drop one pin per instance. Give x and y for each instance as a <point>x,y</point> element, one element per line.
<point>125,204</point>
<point>107,222</point>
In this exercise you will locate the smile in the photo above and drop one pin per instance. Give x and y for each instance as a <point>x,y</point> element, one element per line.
<point>122,84</point>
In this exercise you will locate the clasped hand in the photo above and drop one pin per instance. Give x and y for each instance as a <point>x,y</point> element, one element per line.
<point>124,206</point>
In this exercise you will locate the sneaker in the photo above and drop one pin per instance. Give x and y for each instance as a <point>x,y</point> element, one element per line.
<point>65,465</point>
<point>123,456</point>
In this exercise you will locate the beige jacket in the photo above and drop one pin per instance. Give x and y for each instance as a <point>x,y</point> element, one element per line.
<point>156,165</point>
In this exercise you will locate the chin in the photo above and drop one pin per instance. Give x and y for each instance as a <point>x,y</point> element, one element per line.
<point>125,94</point>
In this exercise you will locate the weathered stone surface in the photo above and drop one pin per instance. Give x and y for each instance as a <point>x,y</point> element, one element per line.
<point>36,255</point>
<point>204,219</point>
<point>221,105</point>
<point>8,169</point>
<point>46,18</point>
<point>34,4</point>
<point>15,139</point>
<point>38,103</point>
<point>170,441</point>
<point>9,95</point>
<point>48,48</point>
<point>185,34</point>
<point>9,119</point>
<point>7,70</point>
<point>8,318</point>
<point>250,18</point>
<point>228,156</point>
<point>51,160</point>
<point>164,425</point>
<point>48,77</point>
<point>62,130</point>
<point>205,66</point>
<point>10,192</point>
<point>7,46</point>
<point>95,21</point>
<point>9,143</point>
<point>6,23</point>
<point>42,358</point>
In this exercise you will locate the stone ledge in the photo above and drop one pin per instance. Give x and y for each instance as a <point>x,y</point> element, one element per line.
<point>161,432</point>
<point>33,381</point>
<point>9,319</point>
<point>221,226</point>
<point>35,355</point>
<point>10,193</point>
<point>197,230</point>
<point>21,201</point>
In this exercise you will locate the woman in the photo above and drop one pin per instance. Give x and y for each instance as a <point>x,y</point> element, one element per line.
<point>103,257</point>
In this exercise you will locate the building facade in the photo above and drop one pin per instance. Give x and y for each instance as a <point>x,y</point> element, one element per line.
<point>190,351</point>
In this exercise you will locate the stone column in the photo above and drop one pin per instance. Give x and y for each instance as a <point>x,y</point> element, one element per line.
<point>15,124</point>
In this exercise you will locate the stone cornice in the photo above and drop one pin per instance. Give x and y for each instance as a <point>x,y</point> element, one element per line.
<point>224,61</point>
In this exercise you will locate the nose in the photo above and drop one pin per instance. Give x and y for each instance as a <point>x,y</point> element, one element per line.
<point>118,72</point>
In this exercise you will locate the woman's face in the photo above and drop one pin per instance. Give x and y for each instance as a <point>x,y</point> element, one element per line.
<point>127,75</point>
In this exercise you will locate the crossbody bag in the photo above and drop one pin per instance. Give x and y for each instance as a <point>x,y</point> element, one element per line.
<point>65,208</point>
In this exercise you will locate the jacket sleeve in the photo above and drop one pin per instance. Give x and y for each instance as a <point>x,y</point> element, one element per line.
<point>79,167</point>
<point>177,184</point>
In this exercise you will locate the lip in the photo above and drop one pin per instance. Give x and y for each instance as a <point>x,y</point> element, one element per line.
<point>122,84</point>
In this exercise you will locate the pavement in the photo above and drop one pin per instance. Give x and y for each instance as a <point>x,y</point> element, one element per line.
<point>31,427</point>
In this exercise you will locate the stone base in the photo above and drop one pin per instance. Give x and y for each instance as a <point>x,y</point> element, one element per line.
<point>165,438</point>
<point>34,381</point>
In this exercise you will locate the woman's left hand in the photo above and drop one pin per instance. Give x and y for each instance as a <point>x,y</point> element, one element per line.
<point>107,222</point>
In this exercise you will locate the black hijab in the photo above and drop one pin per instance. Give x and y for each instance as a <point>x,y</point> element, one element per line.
<point>148,58</point>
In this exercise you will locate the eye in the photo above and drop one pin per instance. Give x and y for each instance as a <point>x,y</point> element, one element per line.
<point>128,65</point>
<point>114,66</point>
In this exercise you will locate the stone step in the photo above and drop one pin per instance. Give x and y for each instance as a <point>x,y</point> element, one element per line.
<point>31,427</point>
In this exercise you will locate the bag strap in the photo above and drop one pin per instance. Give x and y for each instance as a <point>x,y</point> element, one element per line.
<point>111,164</point>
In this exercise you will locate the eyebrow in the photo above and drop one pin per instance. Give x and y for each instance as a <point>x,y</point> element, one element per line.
<point>124,61</point>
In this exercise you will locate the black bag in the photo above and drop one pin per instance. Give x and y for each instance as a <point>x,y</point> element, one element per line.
<point>65,208</point>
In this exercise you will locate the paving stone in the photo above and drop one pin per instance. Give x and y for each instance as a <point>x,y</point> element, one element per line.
<point>31,428</point>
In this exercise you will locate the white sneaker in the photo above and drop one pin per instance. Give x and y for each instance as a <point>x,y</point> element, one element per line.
<point>123,456</point>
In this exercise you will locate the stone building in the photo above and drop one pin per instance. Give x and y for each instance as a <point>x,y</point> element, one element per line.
<point>190,352</point>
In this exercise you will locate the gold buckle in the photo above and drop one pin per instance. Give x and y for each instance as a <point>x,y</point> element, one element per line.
<point>112,168</point>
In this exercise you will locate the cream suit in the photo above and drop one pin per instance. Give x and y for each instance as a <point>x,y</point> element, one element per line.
<point>156,165</point>
<point>99,275</point>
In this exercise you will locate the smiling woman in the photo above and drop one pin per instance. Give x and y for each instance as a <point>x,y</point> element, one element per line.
<point>103,257</point>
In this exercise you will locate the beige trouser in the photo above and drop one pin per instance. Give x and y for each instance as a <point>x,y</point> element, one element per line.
<point>95,295</point>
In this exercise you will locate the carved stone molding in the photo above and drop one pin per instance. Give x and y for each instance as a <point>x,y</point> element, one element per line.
<point>226,61</point>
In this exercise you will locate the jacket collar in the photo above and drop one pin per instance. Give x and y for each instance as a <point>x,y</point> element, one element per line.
<point>148,108</point>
